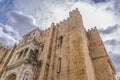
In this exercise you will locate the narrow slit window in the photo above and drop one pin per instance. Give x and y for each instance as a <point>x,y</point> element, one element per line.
<point>59,65</point>
<point>61,40</point>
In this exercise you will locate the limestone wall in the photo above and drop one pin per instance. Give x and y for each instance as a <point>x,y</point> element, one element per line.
<point>66,51</point>
<point>75,62</point>
<point>102,64</point>
<point>3,53</point>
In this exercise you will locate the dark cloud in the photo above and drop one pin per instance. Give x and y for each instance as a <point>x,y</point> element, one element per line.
<point>20,22</point>
<point>112,42</point>
<point>5,6</point>
<point>99,1</point>
<point>116,61</point>
<point>5,37</point>
<point>114,53</point>
<point>117,7</point>
<point>109,30</point>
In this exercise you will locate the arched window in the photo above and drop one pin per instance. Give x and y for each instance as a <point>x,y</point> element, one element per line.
<point>22,53</point>
<point>11,77</point>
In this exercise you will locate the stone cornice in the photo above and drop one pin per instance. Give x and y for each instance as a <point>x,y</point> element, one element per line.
<point>26,61</point>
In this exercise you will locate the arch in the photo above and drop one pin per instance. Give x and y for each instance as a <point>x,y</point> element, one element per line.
<point>11,77</point>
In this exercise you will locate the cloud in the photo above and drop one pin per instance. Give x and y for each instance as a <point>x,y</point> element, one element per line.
<point>8,36</point>
<point>45,12</point>
<point>1,1</point>
<point>99,1</point>
<point>109,30</point>
<point>113,46</point>
<point>95,16</point>
<point>117,7</point>
<point>21,16</point>
<point>112,42</point>
<point>21,22</point>
<point>18,25</point>
<point>116,61</point>
<point>5,6</point>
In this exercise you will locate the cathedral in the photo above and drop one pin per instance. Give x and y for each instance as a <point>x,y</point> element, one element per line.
<point>64,51</point>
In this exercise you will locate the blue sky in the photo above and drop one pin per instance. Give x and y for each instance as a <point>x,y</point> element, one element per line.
<point>18,17</point>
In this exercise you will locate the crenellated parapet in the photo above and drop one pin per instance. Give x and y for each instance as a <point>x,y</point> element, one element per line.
<point>63,51</point>
<point>94,37</point>
<point>74,15</point>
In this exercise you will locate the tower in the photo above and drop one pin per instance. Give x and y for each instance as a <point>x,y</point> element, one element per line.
<point>102,64</point>
<point>65,51</point>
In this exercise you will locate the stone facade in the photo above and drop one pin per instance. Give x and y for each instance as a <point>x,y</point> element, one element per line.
<point>65,51</point>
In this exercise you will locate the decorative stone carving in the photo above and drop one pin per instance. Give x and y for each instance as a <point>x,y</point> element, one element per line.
<point>33,54</point>
<point>27,76</point>
<point>11,77</point>
<point>41,47</point>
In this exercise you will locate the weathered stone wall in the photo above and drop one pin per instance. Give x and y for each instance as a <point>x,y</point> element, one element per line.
<point>75,62</point>
<point>102,64</point>
<point>66,51</point>
<point>80,51</point>
<point>4,52</point>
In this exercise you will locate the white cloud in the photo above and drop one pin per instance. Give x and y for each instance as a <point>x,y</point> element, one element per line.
<point>45,12</point>
<point>29,13</point>
<point>6,37</point>
<point>93,16</point>
<point>21,22</point>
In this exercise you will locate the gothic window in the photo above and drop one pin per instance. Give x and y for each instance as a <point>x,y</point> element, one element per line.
<point>11,77</point>
<point>59,65</point>
<point>25,52</point>
<point>20,54</point>
<point>33,54</point>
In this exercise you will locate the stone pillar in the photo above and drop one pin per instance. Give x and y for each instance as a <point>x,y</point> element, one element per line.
<point>47,54</point>
<point>8,57</point>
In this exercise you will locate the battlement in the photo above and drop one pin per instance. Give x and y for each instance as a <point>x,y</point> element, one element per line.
<point>92,30</point>
<point>71,14</point>
<point>93,34</point>
<point>64,50</point>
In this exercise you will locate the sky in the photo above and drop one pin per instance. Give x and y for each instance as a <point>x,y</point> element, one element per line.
<point>17,17</point>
